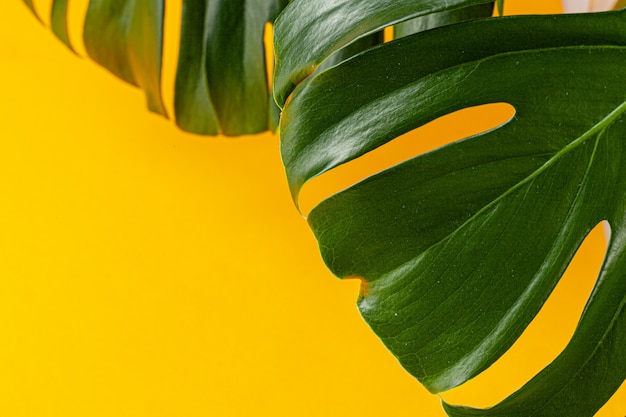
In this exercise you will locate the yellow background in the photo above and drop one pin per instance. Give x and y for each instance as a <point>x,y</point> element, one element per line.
<point>148,272</point>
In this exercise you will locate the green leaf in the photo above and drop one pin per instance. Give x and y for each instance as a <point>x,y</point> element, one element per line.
<point>309,31</point>
<point>221,81</point>
<point>126,37</point>
<point>222,77</point>
<point>459,248</point>
<point>58,21</point>
<point>236,65</point>
<point>192,103</point>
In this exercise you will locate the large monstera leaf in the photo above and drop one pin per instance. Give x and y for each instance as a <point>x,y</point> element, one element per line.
<point>459,248</point>
<point>221,82</point>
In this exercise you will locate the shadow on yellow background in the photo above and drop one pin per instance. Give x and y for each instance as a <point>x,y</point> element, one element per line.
<point>148,272</point>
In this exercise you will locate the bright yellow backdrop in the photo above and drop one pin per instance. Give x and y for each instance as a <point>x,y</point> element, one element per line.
<point>148,272</point>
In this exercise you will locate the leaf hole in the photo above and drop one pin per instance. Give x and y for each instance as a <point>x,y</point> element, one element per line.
<point>512,8</point>
<point>268,42</point>
<point>388,34</point>
<point>546,336</point>
<point>171,42</point>
<point>442,131</point>
<point>76,14</point>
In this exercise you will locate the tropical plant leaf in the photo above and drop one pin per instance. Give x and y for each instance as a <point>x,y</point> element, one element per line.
<point>192,102</point>
<point>236,65</point>
<point>58,22</point>
<point>221,82</point>
<point>309,31</point>
<point>459,248</point>
<point>126,37</point>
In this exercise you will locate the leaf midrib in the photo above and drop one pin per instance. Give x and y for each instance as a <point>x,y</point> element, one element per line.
<point>519,302</point>
<point>570,147</point>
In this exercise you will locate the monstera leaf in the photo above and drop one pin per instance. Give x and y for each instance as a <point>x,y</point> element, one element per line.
<point>459,248</point>
<point>221,82</point>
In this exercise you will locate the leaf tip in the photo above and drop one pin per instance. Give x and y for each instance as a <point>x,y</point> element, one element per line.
<point>500,5</point>
<point>456,410</point>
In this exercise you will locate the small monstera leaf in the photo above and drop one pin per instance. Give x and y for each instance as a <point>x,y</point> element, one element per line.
<point>459,248</point>
<point>221,82</point>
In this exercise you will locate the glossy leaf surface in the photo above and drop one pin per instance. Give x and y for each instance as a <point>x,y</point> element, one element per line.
<point>459,248</point>
<point>309,31</point>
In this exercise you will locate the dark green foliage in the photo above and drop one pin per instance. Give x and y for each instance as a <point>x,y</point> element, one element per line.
<point>460,247</point>
<point>221,82</point>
